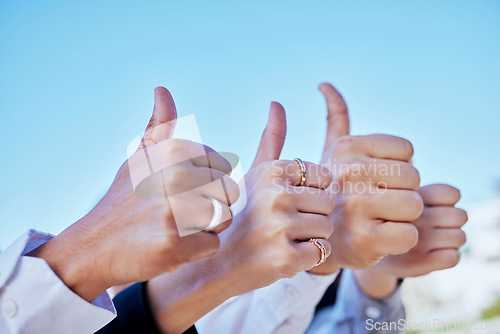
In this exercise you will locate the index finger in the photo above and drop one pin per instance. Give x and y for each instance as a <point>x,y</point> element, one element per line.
<point>382,146</point>
<point>439,194</point>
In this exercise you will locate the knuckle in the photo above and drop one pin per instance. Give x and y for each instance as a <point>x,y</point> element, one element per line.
<point>344,145</point>
<point>370,241</point>
<point>371,257</point>
<point>411,260</point>
<point>162,145</point>
<point>276,165</point>
<point>158,208</point>
<point>273,168</point>
<point>176,176</point>
<point>167,244</point>
<point>326,176</point>
<point>274,226</point>
<point>285,202</point>
<point>353,170</point>
<point>352,203</point>
<point>362,238</point>
<point>175,147</point>
<point>278,222</point>
<point>260,170</point>
<point>278,201</point>
<point>344,174</point>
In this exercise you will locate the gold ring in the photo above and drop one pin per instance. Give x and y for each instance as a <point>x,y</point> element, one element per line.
<point>321,248</point>
<point>303,171</point>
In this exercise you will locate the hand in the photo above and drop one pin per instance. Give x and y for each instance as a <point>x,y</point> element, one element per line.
<point>440,238</point>
<point>133,234</point>
<point>375,189</point>
<point>269,238</point>
<point>267,241</point>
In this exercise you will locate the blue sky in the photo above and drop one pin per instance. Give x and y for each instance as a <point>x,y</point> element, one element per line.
<point>77,80</point>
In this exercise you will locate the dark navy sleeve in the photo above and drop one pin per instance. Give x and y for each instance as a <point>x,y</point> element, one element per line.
<point>134,314</point>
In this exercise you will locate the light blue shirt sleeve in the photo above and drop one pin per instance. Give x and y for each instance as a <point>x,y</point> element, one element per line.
<point>356,313</point>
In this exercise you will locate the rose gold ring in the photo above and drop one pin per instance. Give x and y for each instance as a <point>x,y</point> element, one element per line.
<point>321,248</point>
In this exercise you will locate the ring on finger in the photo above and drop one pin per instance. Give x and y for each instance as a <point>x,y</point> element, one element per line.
<point>217,217</point>
<point>303,171</point>
<point>321,248</point>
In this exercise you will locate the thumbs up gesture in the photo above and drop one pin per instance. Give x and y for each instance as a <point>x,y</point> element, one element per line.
<point>375,190</point>
<point>270,237</point>
<point>168,186</point>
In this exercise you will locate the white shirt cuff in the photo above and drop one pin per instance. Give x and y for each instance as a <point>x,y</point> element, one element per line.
<point>34,300</point>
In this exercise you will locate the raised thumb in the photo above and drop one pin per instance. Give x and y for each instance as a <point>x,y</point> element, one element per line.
<point>338,116</point>
<point>161,126</point>
<point>273,137</point>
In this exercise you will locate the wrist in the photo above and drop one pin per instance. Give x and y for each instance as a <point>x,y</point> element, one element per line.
<point>218,274</point>
<point>375,283</point>
<point>197,287</point>
<point>73,265</point>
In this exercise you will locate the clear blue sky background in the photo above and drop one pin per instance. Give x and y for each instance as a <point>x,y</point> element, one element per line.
<point>76,83</point>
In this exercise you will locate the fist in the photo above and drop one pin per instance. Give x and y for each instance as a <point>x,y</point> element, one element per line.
<point>440,235</point>
<point>375,190</point>
<point>167,188</point>
<point>159,224</point>
<point>269,239</point>
<point>186,177</point>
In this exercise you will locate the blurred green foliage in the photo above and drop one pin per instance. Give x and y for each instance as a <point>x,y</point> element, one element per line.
<point>492,311</point>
